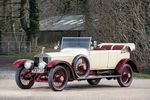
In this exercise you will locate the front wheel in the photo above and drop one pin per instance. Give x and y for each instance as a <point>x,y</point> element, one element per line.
<point>93,81</point>
<point>126,76</point>
<point>58,78</point>
<point>24,78</point>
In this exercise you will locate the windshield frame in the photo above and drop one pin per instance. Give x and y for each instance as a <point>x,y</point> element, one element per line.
<point>89,46</point>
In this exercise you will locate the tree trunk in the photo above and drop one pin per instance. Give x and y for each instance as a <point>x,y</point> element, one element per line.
<point>34,41</point>
<point>12,19</point>
<point>0,41</point>
<point>31,28</point>
<point>34,21</point>
<point>23,20</point>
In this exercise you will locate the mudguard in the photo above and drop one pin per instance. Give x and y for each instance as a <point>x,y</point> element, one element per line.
<point>121,63</point>
<point>19,62</point>
<point>53,63</point>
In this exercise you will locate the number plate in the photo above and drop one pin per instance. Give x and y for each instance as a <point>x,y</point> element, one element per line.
<point>37,70</point>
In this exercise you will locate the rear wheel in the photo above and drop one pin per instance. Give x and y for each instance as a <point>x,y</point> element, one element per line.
<point>58,78</point>
<point>126,76</point>
<point>93,81</point>
<point>24,78</point>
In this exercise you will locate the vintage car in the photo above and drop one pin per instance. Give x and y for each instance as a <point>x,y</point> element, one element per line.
<point>78,59</point>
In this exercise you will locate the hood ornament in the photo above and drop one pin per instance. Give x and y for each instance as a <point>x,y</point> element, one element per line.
<point>41,55</point>
<point>43,48</point>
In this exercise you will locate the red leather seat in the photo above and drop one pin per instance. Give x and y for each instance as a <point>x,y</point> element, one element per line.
<point>103,47</point>
<point>117,47</point>
<point>106,47</point>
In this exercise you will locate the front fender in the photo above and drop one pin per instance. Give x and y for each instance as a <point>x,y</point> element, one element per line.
<point>121,63</point>
<point>53,63</point>
<point>19,62</point>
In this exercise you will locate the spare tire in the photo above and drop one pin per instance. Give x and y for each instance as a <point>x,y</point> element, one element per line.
<point>81,66</point>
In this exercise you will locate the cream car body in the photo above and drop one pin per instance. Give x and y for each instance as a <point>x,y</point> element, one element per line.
<point>68,54</point>
<point>99,59</point>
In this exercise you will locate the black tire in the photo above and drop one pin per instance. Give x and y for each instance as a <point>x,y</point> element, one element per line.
<point>84,72</point>
<point>18,79</point>
<point>93,81</point>
<point>126,76</point>
<point>51,78</point>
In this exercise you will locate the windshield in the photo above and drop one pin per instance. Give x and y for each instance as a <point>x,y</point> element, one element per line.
<point>76,42</point>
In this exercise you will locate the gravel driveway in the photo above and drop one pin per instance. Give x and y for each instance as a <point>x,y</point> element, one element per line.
<point>106,90</point>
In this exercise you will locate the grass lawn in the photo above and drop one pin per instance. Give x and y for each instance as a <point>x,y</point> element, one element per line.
<point>141,75</point>
<point>145,73</point>
<point>13,57</point>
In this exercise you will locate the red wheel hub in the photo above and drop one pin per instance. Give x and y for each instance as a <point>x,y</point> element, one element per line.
<point>59,78</point>
<point>26,77</point>
<point>126,75</point>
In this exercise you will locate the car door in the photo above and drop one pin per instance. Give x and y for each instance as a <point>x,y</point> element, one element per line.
<point>98,59</point>
<point>113,58</point>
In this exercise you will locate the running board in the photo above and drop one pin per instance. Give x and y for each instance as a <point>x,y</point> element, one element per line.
<point>96,77</point>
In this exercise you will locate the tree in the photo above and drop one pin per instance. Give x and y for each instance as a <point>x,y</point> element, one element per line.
<point>34,21</point>
<point>32,27</point>
<point>109,21</point>
<point>121,21</point>
<point>147,17</point>
<point>0,40</point>
<point>3,21</point>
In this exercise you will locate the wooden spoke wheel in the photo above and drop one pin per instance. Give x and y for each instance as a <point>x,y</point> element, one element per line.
<point>58,78</point>
<point>24,78</point>
<point>126,76</point>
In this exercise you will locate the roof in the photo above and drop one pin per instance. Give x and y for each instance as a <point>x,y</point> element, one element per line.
<point>67,22</point>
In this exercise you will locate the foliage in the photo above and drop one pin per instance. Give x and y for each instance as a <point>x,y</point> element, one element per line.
<point>30,24</point>
<point>129,18</point>
<point>105,20</point>
<point>141,75</point>
<point>20,56</point>
<point>34,16</point>
<point>0,39</point>
<point>145,73</point>
<point>0,36</point>
<point>110,21</point>
<point>2,28</point>
<point>13,57</point>
<point>147,25</point>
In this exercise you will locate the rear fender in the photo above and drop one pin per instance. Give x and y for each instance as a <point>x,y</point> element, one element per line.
<point>120,65</point>
<point>19,62</point>
<point>53,63</point>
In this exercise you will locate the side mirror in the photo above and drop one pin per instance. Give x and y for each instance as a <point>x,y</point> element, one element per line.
<point>95,44</point>
<point>56,47</point>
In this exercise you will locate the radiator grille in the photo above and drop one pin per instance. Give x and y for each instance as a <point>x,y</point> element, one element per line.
<point>36,60</point>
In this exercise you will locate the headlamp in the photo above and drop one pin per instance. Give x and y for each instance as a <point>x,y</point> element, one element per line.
<point>28,64</point>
